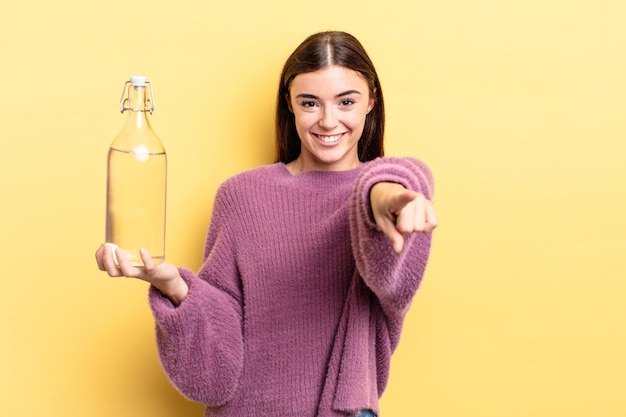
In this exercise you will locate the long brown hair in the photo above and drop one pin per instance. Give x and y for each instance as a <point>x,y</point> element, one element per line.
<point>318,51</point>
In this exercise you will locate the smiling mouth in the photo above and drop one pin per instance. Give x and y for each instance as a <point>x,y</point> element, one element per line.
<point>330,139</point>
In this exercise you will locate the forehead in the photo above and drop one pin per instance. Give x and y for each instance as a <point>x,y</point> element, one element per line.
<point>331,80</point>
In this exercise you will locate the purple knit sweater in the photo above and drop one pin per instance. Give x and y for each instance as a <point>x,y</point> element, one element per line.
<point>300,301</point>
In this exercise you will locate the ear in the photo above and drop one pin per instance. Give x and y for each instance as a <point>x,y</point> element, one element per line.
<point>288,100</point>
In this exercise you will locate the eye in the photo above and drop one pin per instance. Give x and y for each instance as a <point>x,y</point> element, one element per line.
<point>308,104</point>
<point>347,102</point>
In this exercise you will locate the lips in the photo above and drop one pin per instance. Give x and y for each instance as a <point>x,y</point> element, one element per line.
<point>329,139</point>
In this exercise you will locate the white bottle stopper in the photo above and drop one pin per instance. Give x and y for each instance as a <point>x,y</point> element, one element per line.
<point>138,80</point>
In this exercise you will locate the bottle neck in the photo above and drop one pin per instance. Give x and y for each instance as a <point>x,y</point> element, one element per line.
<point>137,106</point>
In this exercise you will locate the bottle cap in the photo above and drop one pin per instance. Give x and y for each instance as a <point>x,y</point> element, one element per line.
<point>138,80</point>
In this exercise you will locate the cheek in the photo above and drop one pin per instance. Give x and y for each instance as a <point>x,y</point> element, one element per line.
<point>301,128</point>
<point>303,120</point>
<point>357,121</point>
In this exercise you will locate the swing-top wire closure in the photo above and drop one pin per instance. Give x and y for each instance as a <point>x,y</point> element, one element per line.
<point>124,98</point>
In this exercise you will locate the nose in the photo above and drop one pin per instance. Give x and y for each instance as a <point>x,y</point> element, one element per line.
<point>328,118</point>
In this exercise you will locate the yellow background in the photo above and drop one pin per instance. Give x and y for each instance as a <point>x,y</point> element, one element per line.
<point>518,106</point>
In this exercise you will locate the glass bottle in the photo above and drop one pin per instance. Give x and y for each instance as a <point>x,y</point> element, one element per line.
<point>137,179</point>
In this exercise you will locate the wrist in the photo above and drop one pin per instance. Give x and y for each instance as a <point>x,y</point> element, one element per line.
<point>176,290</point>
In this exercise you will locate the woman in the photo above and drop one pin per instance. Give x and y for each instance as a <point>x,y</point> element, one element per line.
<point>310,263</point>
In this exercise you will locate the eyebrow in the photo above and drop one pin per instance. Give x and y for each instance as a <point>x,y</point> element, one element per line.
<point>345,93</point>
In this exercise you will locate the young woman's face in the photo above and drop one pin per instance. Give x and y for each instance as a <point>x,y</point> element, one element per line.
<point>329,106</point>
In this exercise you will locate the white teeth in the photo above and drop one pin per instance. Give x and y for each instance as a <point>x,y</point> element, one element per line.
<point>330,139</point>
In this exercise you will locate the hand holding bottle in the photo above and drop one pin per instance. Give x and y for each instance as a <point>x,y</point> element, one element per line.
<point>164,276</point>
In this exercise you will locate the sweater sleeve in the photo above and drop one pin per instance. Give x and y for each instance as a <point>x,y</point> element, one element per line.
<point>393,277</point>
<point>200,342</point>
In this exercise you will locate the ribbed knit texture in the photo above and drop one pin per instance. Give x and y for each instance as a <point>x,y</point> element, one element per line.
<point>300,301</point>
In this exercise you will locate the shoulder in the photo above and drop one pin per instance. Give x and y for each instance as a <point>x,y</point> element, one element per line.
<point>249,184</point>
<point>253,176</point>
<point>239,194</point>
